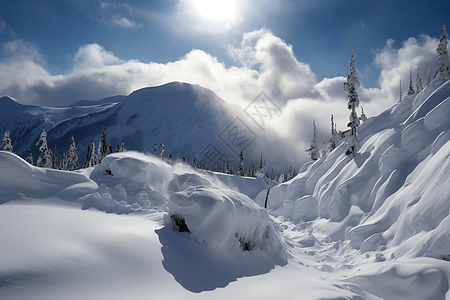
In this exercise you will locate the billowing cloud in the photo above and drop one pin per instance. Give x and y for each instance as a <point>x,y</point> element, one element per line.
<point>395,64</point>
<point>94,56</point>
<point>267,64</point>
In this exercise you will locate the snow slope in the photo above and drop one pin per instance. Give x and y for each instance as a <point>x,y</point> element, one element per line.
<point>373,228</point>
<point>25,122</point>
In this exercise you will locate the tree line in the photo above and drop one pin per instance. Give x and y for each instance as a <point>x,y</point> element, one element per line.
<point>69,160</point>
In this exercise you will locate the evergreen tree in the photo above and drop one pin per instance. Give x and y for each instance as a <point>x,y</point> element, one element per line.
<point>110,150</point>
<point>363,115</point>
<point>194,162</point>
<point>281,178</point>
<point>161,147</point>
<point>55,159</point>
<point>29,158</point>
<point>410,89</point>
<point>419,85</point>
<point>401,95</point>
<point>90,160</point>
<point>333,141</point>
<point>45,159</point>
<point>353,102</point>
<point>122,147</point>
<point>6,144</point>
<point>261,173</point>
<point>183,159</point>
<point>443,67</point>
<point>103,149</point>
<point>69,161</point>
<point>253,171</point>
<point>313,151</point>
<point>154,151</point>
<point>290,174</point>
<point>170,158</point>
<point>118,148</point>
<point>428,76</point>
<point>240,170</point>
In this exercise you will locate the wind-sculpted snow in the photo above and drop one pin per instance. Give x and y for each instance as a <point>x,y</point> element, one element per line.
<point>218,217</point>
<point>373,228</point>
<point>19,180</point>
<point>392,200</point>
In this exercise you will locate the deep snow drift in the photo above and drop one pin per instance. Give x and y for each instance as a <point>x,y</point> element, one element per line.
<point>373,228</point>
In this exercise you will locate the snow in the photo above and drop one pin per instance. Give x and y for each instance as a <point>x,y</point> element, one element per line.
<point>373,228</point>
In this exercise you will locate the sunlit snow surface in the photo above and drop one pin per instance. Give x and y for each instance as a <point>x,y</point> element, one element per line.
<point>374,228</point>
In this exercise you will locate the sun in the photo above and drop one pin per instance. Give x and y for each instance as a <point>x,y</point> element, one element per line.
<point>219,10</point>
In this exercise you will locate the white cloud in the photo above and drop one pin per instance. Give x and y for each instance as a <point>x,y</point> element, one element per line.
<point>94,56</point>
<point>118,20</point>
<point>20,49</point>
<point>268,64</point>
<point>118,15</point>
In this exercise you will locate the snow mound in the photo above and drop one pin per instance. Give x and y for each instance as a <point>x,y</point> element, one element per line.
<point>129,181</point>
<point>20,179</point>
<point>220,217</point>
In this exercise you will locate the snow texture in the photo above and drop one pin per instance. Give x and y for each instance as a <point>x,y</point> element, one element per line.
<point>372,228</point>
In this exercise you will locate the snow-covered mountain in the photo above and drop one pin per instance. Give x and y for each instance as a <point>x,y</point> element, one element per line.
<point>25,122</point>
<point>189,119</point>
<point>184,117</point>
<point>376,227</point>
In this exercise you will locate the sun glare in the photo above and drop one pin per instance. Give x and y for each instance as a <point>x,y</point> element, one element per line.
<point>219,10</point>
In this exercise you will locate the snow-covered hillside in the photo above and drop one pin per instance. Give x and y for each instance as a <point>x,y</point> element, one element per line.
<point>376,227</point>
<point>189,119</point>
<point>25,122</point>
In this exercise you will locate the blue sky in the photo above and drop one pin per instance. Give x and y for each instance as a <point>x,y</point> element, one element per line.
<point>322,33</point>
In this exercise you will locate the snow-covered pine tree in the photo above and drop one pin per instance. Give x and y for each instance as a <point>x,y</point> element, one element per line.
<point>171,159</point>
<point>117,148</point>
<point>290,174</point>
<point>240,170</point>
<point>69,161</point>
<point>90,156</point>
<point>45,159</point>
<point>154,151</point>
<point>102,150</point>
<point>122,147</point>
<point>363,115</point>
<point>253,171</point>
<point>161,147</point>
<point>410,89</point>
<point>401,94</point>
<point>194,162</point>
<point>29,158</point>
<point>353,102</point>
<point>55,159</point>
<point>428,76</point>
<point>314,152</point>
<point>6,144</point>
<point>333,141</point>
<point>281,178</point>
<point>110,150</point>
<point>261,173</point>
<point>442,68</point>
<point>419,85</point>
